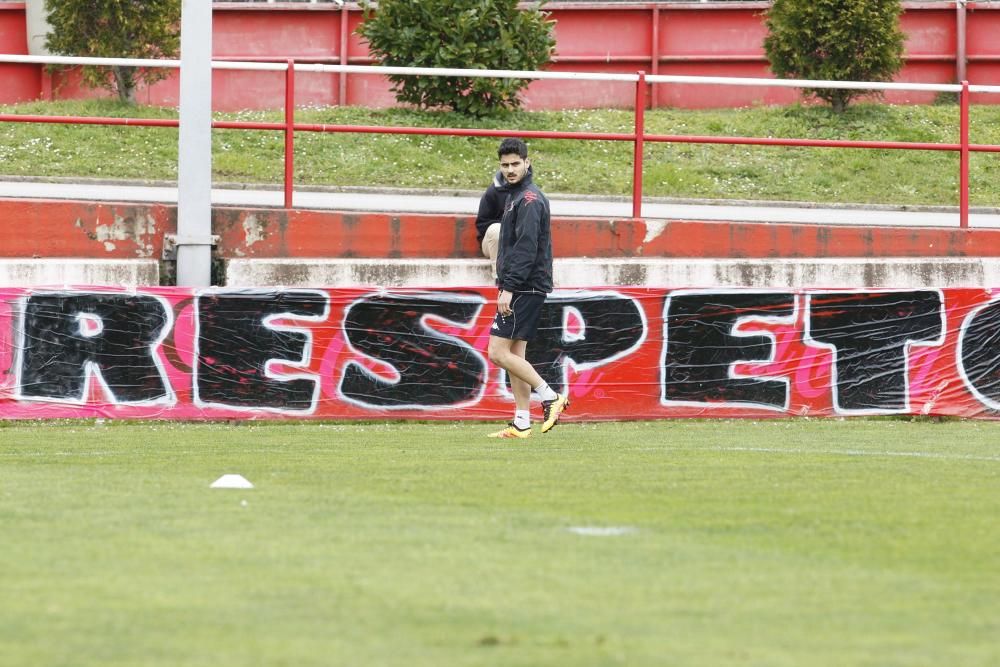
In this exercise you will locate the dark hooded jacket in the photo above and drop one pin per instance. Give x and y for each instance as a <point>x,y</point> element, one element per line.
<point>524,260</point>
<point>491,204</point>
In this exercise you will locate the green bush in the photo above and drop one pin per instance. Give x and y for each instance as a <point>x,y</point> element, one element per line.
<point>835,40</point>
<point>467,34</point>
<point>116,29</point>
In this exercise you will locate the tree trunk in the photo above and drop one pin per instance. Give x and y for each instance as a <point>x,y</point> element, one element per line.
<point>124,83</point>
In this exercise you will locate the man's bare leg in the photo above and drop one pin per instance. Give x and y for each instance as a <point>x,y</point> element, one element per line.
<point>504,353</point>
<point>521,388</point>
<point>509,355</point>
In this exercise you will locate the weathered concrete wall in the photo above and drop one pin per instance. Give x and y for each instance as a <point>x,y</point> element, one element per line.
<point>655,272</point>
<point>569,272</point>
<point>124,244</point>
<point>83,271</point>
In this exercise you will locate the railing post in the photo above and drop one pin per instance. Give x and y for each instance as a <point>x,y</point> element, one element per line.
<point>640,136</point>
<point>963,160</point>
<point>289,131</point>
<point>344,60</point>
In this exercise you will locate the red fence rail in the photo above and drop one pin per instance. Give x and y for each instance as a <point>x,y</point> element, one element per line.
<point>638,136</point>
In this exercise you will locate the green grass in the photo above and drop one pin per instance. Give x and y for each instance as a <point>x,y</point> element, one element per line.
<point>788,542</point>
<point>562,166</point>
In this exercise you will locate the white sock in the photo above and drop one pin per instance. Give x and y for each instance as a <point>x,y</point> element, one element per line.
<point>522,419</point>
<point>545,392</point>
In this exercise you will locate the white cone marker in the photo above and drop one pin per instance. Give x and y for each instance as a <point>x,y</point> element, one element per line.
<point>231,482</point>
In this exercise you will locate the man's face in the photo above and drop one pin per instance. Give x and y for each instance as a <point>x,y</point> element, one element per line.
<point>513,167</point>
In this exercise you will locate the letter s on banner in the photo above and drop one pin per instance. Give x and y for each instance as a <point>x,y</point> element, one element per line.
<point>430,370</point>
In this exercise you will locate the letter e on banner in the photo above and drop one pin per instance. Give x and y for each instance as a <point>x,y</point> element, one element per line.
<point>238,342</point>
<point>702,345</point>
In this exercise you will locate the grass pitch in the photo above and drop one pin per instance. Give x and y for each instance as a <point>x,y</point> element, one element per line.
<point>447,164</point>
<point>868,542</point>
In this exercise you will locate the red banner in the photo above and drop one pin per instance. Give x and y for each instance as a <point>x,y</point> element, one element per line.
<point>621,353</point>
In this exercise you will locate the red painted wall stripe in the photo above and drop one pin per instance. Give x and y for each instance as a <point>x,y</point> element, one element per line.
<point>129,231</point>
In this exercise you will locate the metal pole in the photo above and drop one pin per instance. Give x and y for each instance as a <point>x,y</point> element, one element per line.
<point>194,168</point>
<point>640,134</point>
<point>344,46</point>
<point>289,131</point>
<point>963,160</point>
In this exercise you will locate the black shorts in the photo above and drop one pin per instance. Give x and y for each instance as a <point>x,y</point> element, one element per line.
<point>522,323</point>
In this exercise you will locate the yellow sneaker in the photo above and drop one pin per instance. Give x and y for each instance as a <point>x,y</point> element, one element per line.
<point>511,432</point>
<point>551,411</point>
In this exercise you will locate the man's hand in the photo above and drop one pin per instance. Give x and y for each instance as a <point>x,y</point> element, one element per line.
<point>503,303</point>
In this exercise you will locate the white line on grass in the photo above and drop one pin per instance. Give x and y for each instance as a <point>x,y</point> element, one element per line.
<point>761,450</point>
<point>844,452</point>
<point>17,454</point>
<point>601,531</point>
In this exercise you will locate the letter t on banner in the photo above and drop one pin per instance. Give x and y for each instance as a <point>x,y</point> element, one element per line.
<point>194,168</point>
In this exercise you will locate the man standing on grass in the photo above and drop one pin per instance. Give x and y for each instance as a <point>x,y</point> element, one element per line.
<point>524,276</point>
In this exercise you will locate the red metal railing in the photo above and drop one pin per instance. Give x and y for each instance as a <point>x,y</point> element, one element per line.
<point>638,136</point>
<point>289,132</point>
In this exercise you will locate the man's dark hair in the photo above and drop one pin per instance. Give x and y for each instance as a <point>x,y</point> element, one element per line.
<point>510,145</point>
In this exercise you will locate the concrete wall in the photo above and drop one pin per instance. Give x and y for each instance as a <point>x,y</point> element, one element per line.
<point>69,272</point>
<point>76,242</point>
<point>569,272</point>
<point>653,272</point>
